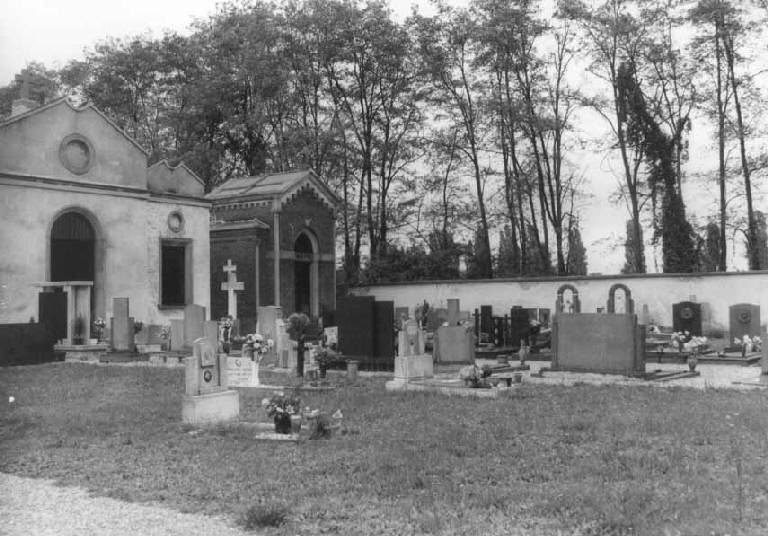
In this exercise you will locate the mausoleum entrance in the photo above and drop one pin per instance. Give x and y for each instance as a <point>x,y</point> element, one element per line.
<point>302,280</point>
<point>72,248</point>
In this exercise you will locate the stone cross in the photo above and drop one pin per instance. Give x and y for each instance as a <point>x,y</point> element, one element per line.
<point>231,286</point>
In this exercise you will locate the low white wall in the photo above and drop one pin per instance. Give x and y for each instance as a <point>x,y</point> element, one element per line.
<point>716,292</point>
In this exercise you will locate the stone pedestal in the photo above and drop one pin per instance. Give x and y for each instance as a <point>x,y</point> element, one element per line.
<point>453,344</point>
<point>210,408</point>
<point>413,367</point>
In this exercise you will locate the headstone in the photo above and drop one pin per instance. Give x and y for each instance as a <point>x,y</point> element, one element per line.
<point>177,335</point>
<point>498,331</point>
<point>744,320</point>
<point>384,333</point>
<point>204,371</point>
<point>411,361</point>
<point>122,326</point>
<point>686,316</point>
<point>486,320</point>
<point>211,331</point>
<point>207,399</point>
<point>240,372</point>
<point>355,319</point>
<point>231,285</point>
<point>401,315</point>
<point>519,326</point>
<point>269,324</point>
<point>454,344</point>
<point>433,319</point>
<point>194,318</point>
<point>453,312</point>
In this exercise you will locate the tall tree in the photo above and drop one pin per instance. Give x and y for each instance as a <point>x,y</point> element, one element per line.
<point>447,50</point>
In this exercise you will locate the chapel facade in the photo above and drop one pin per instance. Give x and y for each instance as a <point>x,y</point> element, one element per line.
<point>83,220</point>
<point>279,231</point>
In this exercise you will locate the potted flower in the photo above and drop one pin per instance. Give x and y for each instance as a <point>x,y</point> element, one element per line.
<point>475,376</point>
<point>255,348</point>
<point>281,408</point>
<point>98,328</point>
<point>165,334</point>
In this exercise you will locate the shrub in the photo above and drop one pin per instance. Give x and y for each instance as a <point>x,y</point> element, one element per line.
<point>264,515</point>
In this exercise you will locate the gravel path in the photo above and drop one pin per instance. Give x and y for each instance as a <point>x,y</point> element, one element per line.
<point>34,507</point>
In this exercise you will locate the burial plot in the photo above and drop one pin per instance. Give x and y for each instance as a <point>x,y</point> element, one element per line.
<point>686,316</point>
<point>744,320</point>
<point>207,399</point>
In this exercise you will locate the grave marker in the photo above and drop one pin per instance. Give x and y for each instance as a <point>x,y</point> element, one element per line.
<point>177,335</point>
<point>194,317</point>
<point>231,285</point>
<point>207,399</point>
<point>453,312</point>
<point>686,316</point>
<point>121,326</point>
<point>744,320</point>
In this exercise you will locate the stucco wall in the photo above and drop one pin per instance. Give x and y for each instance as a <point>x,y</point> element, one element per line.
<point>658,291</point>
<point>30,146</point>
<point>128,233</point>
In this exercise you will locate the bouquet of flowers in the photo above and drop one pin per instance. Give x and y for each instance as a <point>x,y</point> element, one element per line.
<point>747,343</point>
<point>256,346</point>
<point>165,332</point>
<point>695,344</point>
<point>679,339</point>
<point>98,327</point>
<point>280,403</point>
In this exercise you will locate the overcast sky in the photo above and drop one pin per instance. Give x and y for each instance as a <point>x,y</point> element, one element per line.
<point>56,31</point>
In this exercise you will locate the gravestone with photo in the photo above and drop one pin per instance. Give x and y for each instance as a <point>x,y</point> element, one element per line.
<point>207,399</point>
<point>744,320</point>
<point>686,316</point>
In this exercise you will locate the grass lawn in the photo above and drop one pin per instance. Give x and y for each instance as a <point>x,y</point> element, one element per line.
<point>546,460</point>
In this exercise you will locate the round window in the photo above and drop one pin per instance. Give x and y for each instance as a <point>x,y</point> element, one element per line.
<point>76,153</point>
<point>175,222</point>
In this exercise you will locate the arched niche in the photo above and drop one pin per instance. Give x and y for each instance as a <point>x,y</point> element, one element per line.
<point>629,304</point>
<point>306,273</point>
<point>575,302</point>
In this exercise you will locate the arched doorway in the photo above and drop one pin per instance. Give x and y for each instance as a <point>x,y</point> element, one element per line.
<point>72,248</point>
<point>302,274</point>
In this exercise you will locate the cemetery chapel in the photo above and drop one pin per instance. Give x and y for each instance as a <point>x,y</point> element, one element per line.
<point>84,220</point>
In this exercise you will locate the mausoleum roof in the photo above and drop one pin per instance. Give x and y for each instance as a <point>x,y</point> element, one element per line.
<point>277,186</point>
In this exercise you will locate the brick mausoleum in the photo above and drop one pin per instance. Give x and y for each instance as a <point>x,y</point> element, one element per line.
<point>274,228</point>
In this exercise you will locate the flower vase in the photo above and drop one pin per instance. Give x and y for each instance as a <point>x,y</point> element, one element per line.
<point>323,371</point>
<point>693,360</point>
<point>255,374</point>
<point>282,423</point>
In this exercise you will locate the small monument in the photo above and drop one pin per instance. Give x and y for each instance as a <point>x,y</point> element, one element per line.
<point>411,363</point>
<point>194,324</point>
<point>453,343</point>
<point>232,285</point>
<point>207,399</point>
<point>744,320</point>
<point>121,331</point>
<point>686,316</point>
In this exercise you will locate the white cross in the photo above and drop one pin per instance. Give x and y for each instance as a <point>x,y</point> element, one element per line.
<point>231,285</point>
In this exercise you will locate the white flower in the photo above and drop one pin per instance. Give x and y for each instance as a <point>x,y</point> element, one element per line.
<point>270,343</point>
<point>11,400</point>
<point>264,402</point>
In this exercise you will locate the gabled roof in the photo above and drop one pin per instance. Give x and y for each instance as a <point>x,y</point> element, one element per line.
<point>277,186</point>
<point>87,106</point>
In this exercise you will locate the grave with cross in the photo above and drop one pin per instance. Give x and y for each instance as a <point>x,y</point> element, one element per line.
<point>232,285</point>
